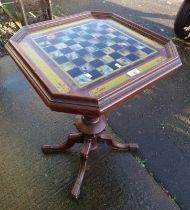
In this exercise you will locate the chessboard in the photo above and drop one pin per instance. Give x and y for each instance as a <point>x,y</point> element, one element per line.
<point>87,53</point>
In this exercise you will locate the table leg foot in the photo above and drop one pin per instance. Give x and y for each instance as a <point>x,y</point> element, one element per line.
<point>83,162</point>
<point>104,136</point>
<point>56,148</point>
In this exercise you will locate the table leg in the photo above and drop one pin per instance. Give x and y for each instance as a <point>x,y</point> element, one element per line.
<point>108,138</point>
<point>83,162</point>
<point>55,148</point>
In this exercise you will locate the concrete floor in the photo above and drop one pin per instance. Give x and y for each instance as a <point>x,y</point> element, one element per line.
<point>31,180</point>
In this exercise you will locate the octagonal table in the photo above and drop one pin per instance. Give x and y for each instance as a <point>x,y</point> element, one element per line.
<point>88,64</point>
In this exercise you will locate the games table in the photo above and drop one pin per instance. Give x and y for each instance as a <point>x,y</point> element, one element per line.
<point>88,64</point>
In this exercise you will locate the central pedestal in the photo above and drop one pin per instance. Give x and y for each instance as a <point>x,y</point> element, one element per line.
<point>91,132</point>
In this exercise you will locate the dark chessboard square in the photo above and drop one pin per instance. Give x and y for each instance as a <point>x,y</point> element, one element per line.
<point>113,65</point>
<point>77,29</point>
<point>96,63</point>
<point>131,41</point>
<point>66,50</point>
<point>117,33</point>
<point>95,74</point>
<point>98,53</point>
<point>131,48</point>
<point>88,37</point>
<point>104,26</point>
<point>61,60</point>
<point>100,45</point>
<point>116,47</point>
<point>70,42</point>
<point>75,72</point>
<point>102,38</point>
<point>82,52</point>
<point>50,49</point>
<point>41,39</point>
<point>132,57</point>
<point>85,44</point>
<point>147,50</point>
<point>72,36</point>
<point>79,61</point>
<point>117,39</point>
<point>115,55</point>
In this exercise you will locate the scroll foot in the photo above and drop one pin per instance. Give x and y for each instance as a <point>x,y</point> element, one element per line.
<point>55,148</point>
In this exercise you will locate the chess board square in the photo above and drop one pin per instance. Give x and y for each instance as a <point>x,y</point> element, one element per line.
<point>117,33</point>
<point>96,63</point>
<point>94,41</point>
<point>60,45</point>
<point>109,43</point>
<point>132,57</point>
<point>89,57</point>
<point>79,61</point>
<point>116,47</point>
<point>86,67</point>
<point>85,44</point>
<point>132,41</point>
<point>76,47</point>
<point>113,65</point>
<point>92,49</point>
<point>60,34</point>
<point>82,33</point>
<point>102,38</point>
<point>124,52</point>
<point>104,26</point>
<point>41,39</point>
<point>70,42</point>
<point>45,44</point>
<point>76,29</point>
<point>95,74</point>
<point>140,53</point>
<point>50,49</point>
<point>100,45</point>
<point>64,38</point>
<point>68,66</point>
<point>105,69</point>
<point>108,50</point>
<point>75,72</point>
<point>147,50</point>
<point>107,59</point>
<point>79,39</point>
<point>111,36</point>
<point>88,37</point>
<point>72,55</point>
<point>123,61</point>
<point>131,48</point>
<point>115,55</point>
<point>98,53</point>
<point>139,46</point>
<point>56,54</point>
<point>83,79</point>
<point>117,39</point>
<point>66,50</point>
<point>61,60</point>
<point>82,52</point>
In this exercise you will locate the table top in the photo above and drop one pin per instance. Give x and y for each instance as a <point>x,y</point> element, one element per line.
<point>91,62</point>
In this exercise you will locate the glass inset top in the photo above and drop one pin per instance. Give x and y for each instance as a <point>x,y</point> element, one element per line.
<point>90,52</point>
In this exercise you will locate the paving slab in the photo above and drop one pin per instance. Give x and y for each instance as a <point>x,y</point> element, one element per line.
<point>32,180</point>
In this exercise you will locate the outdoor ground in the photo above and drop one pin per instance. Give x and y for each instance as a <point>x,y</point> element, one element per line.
<point>158,119</point>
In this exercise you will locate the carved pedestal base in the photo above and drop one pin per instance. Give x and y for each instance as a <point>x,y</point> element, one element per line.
<point>91,132</point>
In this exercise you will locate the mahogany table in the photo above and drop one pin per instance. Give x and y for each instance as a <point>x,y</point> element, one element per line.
<point>88,64</point>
